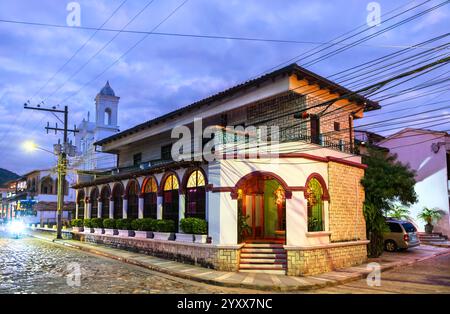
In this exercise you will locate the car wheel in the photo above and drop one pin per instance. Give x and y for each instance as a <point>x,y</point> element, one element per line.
<point>390,246</point>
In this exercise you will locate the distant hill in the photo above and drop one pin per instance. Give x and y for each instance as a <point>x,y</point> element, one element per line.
<point>6,175</point>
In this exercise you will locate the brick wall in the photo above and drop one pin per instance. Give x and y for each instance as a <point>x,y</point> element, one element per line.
<point>346,219</point>
<point>204,255</point>
<point>321,260</point>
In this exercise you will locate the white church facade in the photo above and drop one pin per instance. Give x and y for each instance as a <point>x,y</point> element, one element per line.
<point>104,125</point>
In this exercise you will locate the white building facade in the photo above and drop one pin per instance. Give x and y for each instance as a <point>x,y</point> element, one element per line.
<point>427,153</point>
<point>34,197</point>
<point>301,195</point>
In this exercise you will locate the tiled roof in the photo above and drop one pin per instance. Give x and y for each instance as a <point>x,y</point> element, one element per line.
<point>294,68</point>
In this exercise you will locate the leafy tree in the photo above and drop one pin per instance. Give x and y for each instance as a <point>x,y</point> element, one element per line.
<point>375,227</point>
<point>398,212</point>
<point>386,181</point>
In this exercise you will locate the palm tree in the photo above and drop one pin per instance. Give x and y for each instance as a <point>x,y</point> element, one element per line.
<point>429,215</point>
<point>398,212</point>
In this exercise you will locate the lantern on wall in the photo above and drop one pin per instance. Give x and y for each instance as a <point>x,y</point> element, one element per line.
<point>280,197</point>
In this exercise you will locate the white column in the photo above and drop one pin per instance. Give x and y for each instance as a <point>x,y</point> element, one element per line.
<point>159,207</point>
<point>124,208</point>
<point>141,208</point>
<point>207,206</point>
<point>111,209</point>
<point>223,223</point>
<point>99,209</point>
<point>87,213</point>
<point>181,207</point>
<point>296,219</point>
<point>76,211</point>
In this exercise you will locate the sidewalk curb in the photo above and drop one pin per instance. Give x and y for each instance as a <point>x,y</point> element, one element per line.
<point>326,282</point>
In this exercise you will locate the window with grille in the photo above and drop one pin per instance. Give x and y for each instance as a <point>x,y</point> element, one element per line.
<point>166,152</point>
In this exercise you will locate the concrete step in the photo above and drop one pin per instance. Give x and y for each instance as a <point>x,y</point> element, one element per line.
<point>264,245</point>
<point>262,250</point>
<point>263,261</point>
<point>433,240</point>
<point>430,237</point>
<point>262,266</point>
<point>264,271</point>
<point>263,255</point>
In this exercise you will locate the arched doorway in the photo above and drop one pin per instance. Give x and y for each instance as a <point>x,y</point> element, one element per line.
<point>117,196</point>
<point>262,208</point>
<point>104,198</point>
<point>150,191</point>
<point>133,200</point>
<point>80,203</point>
<point>170,199</point>
<point>94,202</point>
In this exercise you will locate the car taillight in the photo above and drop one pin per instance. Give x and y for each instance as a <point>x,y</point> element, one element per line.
<point>406,237</point>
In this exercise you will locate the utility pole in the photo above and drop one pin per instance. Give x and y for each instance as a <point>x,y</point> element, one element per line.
<point>62,152</point>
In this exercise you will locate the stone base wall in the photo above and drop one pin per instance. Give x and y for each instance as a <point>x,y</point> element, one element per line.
<point>305,261</point>
<point>205,255</point>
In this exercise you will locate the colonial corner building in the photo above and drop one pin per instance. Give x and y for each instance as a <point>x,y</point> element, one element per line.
<point>303,207</point>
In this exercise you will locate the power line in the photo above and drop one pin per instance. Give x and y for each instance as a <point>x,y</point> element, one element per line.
<point>330,54</point>
<point>332,42</point>
<point>129,49</point>
<point>101,49</point>
<point>200,36</point>
<point>78,50</point>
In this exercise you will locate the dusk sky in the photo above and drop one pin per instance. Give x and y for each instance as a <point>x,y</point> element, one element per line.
<point>164,73</point>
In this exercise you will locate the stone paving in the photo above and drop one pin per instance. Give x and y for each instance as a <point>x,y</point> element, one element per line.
<point>33,266</point>
<point>258,281</point>
<point>431,276</point>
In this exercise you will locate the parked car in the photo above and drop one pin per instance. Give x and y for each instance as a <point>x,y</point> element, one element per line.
<point>402,235</point>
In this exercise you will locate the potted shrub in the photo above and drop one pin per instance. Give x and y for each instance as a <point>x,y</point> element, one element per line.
<point>143,228</point>
<point>124,227</point>
<point>186,228</point>
<point>87,223</point>
<point>109,226</point>
<point>163,229</point>
<point>187,225</point>
<point>200,230</point>
<point>77,225</point>
<point>430,215</point>
<point>97,224</point>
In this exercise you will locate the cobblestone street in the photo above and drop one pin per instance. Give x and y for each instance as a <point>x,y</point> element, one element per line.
<point>30,265</point>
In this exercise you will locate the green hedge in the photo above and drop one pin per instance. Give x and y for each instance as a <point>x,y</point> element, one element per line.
<point>109,223</point>
<point>145,224</point>
<point>87,223</point>
<point>123,224</point>
<point>77,223</point>
<point>194,225</point>
<point>97,223</point>
<point>164,226</point>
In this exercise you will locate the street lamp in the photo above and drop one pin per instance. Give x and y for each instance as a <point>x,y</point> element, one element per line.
<point>31,146</point>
